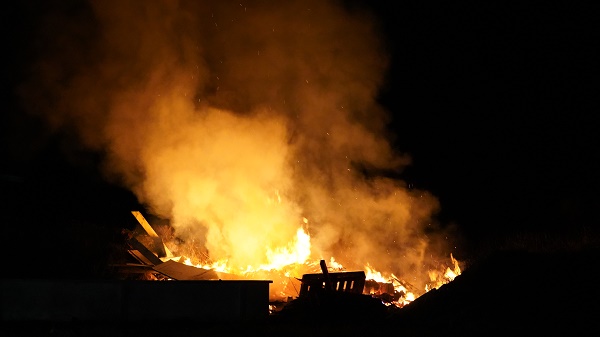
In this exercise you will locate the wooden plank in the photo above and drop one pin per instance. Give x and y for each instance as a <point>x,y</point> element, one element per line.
<point>328,284</point>
<point>179,271</point>
<point>135,244</point>
<point>151,232</point>
<point>139,256</point>
<point>140,218</point>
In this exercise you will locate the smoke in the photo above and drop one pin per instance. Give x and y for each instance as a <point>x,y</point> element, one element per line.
<point>237,121</point>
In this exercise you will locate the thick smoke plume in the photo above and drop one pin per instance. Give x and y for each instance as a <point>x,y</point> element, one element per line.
<point>240,122</point>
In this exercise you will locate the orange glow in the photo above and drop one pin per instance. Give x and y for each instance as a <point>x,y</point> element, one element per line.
<point>297,252</point>
<point>238,125</point>
<point>288,263</point>
<point>439,277</point>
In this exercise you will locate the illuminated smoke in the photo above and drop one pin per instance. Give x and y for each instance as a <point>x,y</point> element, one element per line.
<point>236,121</point>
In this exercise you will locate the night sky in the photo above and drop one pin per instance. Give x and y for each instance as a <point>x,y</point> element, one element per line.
<point>502,115</point>
<point>494,102</point>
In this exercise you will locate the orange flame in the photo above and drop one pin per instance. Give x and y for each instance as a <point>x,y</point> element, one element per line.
<point>288,263</point>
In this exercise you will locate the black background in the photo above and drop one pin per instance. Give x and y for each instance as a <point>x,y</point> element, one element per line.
<point>494,101</point>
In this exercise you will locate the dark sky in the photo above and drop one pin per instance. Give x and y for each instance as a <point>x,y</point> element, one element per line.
<point>493,101</point>
<point>502,124</point>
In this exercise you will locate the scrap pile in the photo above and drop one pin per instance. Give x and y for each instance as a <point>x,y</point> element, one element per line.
<point>151,259</point>
<point>345,293</point>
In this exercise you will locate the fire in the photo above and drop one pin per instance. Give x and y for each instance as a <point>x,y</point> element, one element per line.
<point>297,252</point>
<point>438,278</point>
<point>451,274</point>
<point>288,263</point>
<point>239,123</point>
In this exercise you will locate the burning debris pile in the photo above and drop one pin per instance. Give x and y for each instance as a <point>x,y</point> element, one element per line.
<point>254,128</point>
<point>153,260</point>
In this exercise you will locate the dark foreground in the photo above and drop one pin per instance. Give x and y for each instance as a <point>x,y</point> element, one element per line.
<point>507,292</point>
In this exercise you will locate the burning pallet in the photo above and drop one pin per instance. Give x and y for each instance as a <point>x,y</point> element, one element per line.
<point>351,282</point>
<point>338,295</point>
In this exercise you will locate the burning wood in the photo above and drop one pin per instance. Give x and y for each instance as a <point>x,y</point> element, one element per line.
<point>378,288</point>
<point>148,251</point>
<point>152,240</point>
<point>153,260</point>
<point>141,252</point>
<point>349,282</point>
<point>352,282</point>
<point>335,295</point>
